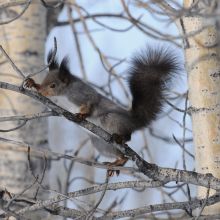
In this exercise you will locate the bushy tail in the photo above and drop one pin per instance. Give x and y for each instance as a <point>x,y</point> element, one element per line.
<point>153,71</point>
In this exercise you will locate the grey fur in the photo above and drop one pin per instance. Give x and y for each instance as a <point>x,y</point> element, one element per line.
<point>152,70</point>
<point>106,115</point>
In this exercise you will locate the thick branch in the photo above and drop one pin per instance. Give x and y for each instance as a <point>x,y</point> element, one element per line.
<point>160,207</point>
<point>53,209</point>
<point>151,170</point>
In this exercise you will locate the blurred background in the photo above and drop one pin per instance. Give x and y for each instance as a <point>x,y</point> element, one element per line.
<point>106,27</point>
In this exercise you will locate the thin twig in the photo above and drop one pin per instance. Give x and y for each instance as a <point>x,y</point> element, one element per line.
<point>89,213</point>
<point>19,194</point>
<point>42,176</point>
<point>42,69</point>
<point>26,201</point>
<point>16,128</point>
<point>204,202</point>
<point>12,64</point>
<point>173,106</point>
<point>77,159</point>
<point>101,197</point>
<point>186,151</point>
<point>184,131</point>
<point>135,22</point>
<point>72,23</point>
<point>176,122</point>
<point>183,152</point>
<point>28,117</point>
<point>67,181</point>
<point>18,16</point>
<point>146,147</point>
<point>50,6</point>
<point>110,71</point>
<point>11,213</point>
<point>96,48</point>
<point>103,25</point>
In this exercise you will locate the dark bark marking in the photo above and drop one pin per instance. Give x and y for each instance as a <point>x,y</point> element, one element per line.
<point>215,74</point>
<point>193,110</point>
<point>28,53</point>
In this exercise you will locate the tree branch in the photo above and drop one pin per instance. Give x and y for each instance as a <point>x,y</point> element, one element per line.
<point>150,170</point>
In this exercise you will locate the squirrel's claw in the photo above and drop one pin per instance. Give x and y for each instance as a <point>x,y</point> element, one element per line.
<point>118,162</point>
<point>80,116</point>
<point>111,172</point>
<point>29,83</point>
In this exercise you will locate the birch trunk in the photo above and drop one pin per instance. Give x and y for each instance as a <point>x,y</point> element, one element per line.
<point>24,41</point>
<point>203,68</point>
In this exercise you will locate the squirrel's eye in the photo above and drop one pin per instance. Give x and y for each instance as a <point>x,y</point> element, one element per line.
<point>52,86</point>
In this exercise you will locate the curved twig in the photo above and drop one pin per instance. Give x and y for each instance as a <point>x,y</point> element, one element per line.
<point>18,16</point>
<point>42,69</point>
<point>28,117</point>
<point>50,6</point>
<point>13,129</point>
<point>12,64</point>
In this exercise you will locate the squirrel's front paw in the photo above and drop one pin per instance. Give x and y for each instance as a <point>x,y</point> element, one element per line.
<point>29,83</point>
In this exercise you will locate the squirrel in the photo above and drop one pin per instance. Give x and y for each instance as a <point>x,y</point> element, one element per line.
<point>152,72</point>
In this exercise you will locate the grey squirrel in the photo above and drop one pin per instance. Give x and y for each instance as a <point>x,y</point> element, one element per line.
<point>152,71</point>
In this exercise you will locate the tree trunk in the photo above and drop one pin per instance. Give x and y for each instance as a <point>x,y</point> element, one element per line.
<point>203,68</point>
<point>24,42</point>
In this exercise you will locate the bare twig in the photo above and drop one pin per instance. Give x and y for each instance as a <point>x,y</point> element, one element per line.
<point>11,213</point>
<point>177,122</point>
<point>163,175</point>
<point>12,64</point>
<point>204,202</point>
<point>50,6</point>
<point>101,24</point>
<point>16,128</point>
<point>100,199</point>
<point>42,176</point>
<point>173,106</point>
<point>186,151</point>
<point>18,16</point>
<point>153,208</point>
<point>27,117</point>
<point>21,193</point>
<point>72,23</point>
<point>26,201</point>
<point>42,69</point>
<point>96,48</point>
<point>183,153</point>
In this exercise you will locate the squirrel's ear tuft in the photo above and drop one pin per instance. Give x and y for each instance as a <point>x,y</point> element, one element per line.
<point>64,70</point>
<point>54,65</point>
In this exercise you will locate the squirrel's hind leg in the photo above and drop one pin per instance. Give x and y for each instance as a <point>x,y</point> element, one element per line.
<point>121,139</point>
<point>118,162</point>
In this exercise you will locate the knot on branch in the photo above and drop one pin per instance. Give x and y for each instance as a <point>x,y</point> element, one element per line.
<point>149,169</point>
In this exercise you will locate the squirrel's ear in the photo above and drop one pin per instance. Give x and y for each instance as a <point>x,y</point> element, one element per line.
<point>64,70</point>
<point>54,65</point>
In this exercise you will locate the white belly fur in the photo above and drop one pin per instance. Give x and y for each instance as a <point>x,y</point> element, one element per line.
<point>63,102</point>
<point>104,148</point>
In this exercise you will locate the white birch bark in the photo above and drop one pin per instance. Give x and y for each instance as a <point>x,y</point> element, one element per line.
<point>24,41</point>
<point>203,68</point>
